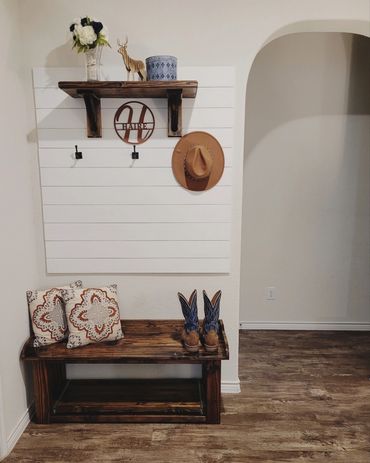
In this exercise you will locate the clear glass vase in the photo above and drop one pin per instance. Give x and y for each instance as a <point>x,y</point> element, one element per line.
<point>93,59</point>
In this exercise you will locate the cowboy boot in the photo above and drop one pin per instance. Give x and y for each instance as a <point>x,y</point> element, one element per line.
<point>190,334</point>
<point>210,323</point>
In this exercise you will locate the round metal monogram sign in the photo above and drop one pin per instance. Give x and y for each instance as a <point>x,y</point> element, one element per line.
<point>134,122</point>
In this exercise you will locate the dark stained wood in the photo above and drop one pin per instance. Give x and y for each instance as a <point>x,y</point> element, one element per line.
<point>92,92</point>
<point>212,390</point>
<point>130,89</point>
<point>145,341</point>
<point>305,398</point>
<point>174,113</point>
<point>42,392</point>
<point>141,397</point>
<point>93,114</point>
<point>49,382</point>
<point>173,392</point>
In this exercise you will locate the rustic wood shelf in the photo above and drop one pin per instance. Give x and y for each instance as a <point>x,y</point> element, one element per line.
<point>120,399</point>
<point>194,400</point>
<point>92,92</point>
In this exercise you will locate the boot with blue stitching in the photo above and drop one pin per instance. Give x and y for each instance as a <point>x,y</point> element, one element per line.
<point>190,334</point>
<point>210,323</point>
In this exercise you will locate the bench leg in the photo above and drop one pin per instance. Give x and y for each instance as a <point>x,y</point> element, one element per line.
<point>41,385</point>
<point>48,380</point>
<point>212,390</point>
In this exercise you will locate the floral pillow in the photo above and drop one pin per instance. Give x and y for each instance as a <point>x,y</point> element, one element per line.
<point>92,315</point>
<point>48,318</point>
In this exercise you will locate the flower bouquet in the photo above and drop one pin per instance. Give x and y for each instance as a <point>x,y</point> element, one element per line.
<point>89,36</point>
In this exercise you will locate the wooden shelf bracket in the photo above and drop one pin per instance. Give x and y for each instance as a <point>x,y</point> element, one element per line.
<point>174,113</point>
<point>92,92</point>
<point>93,114</point>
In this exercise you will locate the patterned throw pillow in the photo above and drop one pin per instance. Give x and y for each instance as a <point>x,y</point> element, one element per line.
<point>92,315</point>
<point>47,314</point>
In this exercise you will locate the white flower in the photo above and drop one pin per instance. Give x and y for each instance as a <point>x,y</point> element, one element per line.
<point>86,34</point>
<point>104,33</point>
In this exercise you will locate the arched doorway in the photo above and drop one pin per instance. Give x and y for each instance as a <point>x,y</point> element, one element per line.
<point>306,184</point>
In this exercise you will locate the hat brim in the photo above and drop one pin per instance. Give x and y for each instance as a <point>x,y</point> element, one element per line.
<point>178,161</point>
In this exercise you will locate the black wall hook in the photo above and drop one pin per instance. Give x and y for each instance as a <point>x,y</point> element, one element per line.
<point>135,154</point>
<point>78,154</point>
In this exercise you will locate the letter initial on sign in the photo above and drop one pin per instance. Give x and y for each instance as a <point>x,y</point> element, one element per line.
<point>134,122</point>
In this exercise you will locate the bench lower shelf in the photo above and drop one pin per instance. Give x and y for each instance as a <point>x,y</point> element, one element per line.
<point>177,400</point>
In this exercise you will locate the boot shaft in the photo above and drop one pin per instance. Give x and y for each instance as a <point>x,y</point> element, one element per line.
<point>211,312</point>
<point>190,311</point>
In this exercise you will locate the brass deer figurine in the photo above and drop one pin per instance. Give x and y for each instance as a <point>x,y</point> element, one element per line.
<point>131,65</point>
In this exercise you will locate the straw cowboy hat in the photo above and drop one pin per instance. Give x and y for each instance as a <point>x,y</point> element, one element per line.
<point>198,161</point>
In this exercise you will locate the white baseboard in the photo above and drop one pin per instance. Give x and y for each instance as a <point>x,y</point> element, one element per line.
<point>314,326</point>
<point>230,387</point>
<point>19,428</point>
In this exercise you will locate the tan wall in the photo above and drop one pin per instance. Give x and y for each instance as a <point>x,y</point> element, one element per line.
<point>306,182</point>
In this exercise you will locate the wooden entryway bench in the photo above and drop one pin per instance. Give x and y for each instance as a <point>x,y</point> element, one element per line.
<point>194,400</point>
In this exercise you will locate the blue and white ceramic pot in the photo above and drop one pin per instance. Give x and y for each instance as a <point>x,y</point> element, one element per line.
<point>161,67</point>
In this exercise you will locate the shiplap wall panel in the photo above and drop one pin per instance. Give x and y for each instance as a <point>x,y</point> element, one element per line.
<point>107,213</point>
<point>197,118</point>
<point>207,97</point>
<point>119,176</point>
<point>67,138</point>
<point>133,195</point>
<point>136,213</point>
<point>114,157</point>
<point>137,231</point>
<point>184,265</point>
<point>137,249</point>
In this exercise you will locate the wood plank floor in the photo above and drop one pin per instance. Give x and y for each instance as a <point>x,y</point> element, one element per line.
<point>305,398</point>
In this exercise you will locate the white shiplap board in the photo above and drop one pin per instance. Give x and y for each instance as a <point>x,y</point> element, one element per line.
<point>197,118</point>
<point>115,176</point>
<point>139,195</point>
<point>107,213</point>
<point>191,231</point>
<point>97,213</point>
<point>112,157</point>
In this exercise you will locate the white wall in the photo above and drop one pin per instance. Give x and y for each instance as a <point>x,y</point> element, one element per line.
<point>233,36</point>
<point>306,209</point>
<point>17,244</point>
